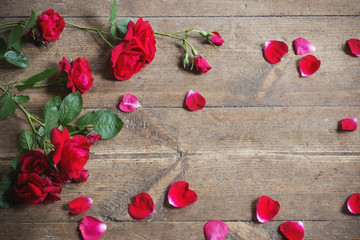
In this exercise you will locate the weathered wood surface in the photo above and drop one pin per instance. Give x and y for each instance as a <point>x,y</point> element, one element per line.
<point>265,130</point>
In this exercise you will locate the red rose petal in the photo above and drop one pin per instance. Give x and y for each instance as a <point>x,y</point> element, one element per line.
<point>64,65</point>
<point>80,205</point>
<point>293,230</point>
<point>303,46</point>
<point>354,45</point>
<point>349,124</point>
<point>353,203</point>
<point>142,206</point>
<point>195,101</point>
<point>180,195</point>
<point>92,228</point>
<point>129,103</point>
<point>215,230</point>
<point>266,209</point>
<point>274,51</point>
<point>309,65</point>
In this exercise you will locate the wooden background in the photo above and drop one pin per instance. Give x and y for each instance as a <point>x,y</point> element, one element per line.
<point>264,131</point>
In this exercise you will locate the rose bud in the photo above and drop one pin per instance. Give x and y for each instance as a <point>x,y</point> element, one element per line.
<point>215,38</point>
<point>201,64</point>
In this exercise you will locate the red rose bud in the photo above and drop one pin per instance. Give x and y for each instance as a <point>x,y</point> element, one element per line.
<point>93,138</point>
<point>90,128</point>
<point>348,124</point>
<point>80,78</point>
<point>216,39</point>
<point>34,161</point>
<point>50,25</point>
<point>201,64</point>
<point>83,176</point>
<point>64,65</point>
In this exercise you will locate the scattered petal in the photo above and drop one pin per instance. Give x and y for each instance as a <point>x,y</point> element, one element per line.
<point>93,138</point>
<point>353,203</point>
<point>180,195</point>
<point>274,51</point>
<point>92,228</point>
<point>142,206</point>
<point>303,46</point>
<point>266,209</point>
<point>195,101</point>
<point>293,230</point>
<point>309,65</point>
<point>80,205</point>
<point>348,124</point>
<point>64,65</point>
<point>354,46</point>
<point>129,103</point>
<point>215,230</point>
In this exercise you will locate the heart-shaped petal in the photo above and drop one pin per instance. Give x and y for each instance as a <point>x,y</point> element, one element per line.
<point>180,195</point>
<point>80,205</point>
<point>92,228</point>
<point>215,230</point>
<point>303,46</point>
<point>293,230</point>
<point>348,124</point>
<point>129,103</point>
<point>353,203</point>
<point>142,206</point>
<point>195,101</point>
<point>266,209</point>
<point>309,65</point>
<point>275,50</point>
<point>354,46</point>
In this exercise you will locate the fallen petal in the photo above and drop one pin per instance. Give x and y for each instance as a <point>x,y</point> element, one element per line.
<point>142,206</point>
<point>354,46</point>
<point>129,103</point>
<point>92,228</point>
<point>309,65</point>
<point>303,46</point>
<point>215,230</point>
<point>275,50</point>
<point>293,230</point>
<point>180,195</point>
<point>80,205</point>
<point>195,101</point>
<point>348,124</point>
<point>353,203</point>
<point>266,209</point>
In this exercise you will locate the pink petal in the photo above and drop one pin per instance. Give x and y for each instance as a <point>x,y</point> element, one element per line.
<point>64,65</point>
<point>354,45</point>
<point>194,101</point>
<point>303,46</point>
<point>274,51</point>
<point>92,228</point>
<point>180,195</point>
<point>215,230</point>
<point>309,65</point>
<point>266,209</point>
<point>129,103</point>
<point>348,124</point>
<point>353,203</point>
<point>80,205</point>
<point>142,206</point>
<point>293,230</point>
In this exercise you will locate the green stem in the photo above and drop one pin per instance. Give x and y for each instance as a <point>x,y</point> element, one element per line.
<point>182,38</point>
<point>8,25</point>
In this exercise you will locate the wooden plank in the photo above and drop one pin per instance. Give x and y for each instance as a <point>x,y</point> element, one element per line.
<point>186,8</point>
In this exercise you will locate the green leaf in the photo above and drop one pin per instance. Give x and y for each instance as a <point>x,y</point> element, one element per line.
<point>15,163</point>
<point>71,107</point>
<point>51,119</point>
<point>16,58</point>
<point>105,123</point>
<point>25,141</point>
<point>114,31</point>
<point>3,47</point>
<point>8,107</point>
<point>18,45</point>
<point>6,189</point>
<point>113,13</point>
<point>29,82</point>
<point>122,24</point>
<point>40,140</point>
<point>31,22</point>
<point>53,102</point>
<point>22,99</point>
<point>15,35</point>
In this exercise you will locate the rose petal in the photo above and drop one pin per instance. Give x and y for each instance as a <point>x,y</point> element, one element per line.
<point>293,230</point>
<point>274,51</point>
<point>180,195</point>
<point>309,65</point>
<point>142,206</point>
<point>129,103</point>
<point>348,124</point>
<point>303,46</point>
<point>215,230</point>
<point>354,45</point>
<point>80,205</point>
<point>64,65</point>
<point>353,203</point>
<point>266,209</point>
<point>92,228</point>
<point>195,101</point>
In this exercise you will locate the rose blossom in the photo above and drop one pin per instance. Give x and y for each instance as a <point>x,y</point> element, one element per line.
<point>217,39</point>
<point>34,161</point>
<point>50,25</point>
<point>201,64</point>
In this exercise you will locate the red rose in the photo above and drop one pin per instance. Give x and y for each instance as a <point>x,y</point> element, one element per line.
<point>71,154</point>
<point>201,64</point>
<point>137,48</point>
<point>34,161</point>
<point>50,24</point>
<point>59,177</point>
<point>217,39</point>
<point>83,176</point>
